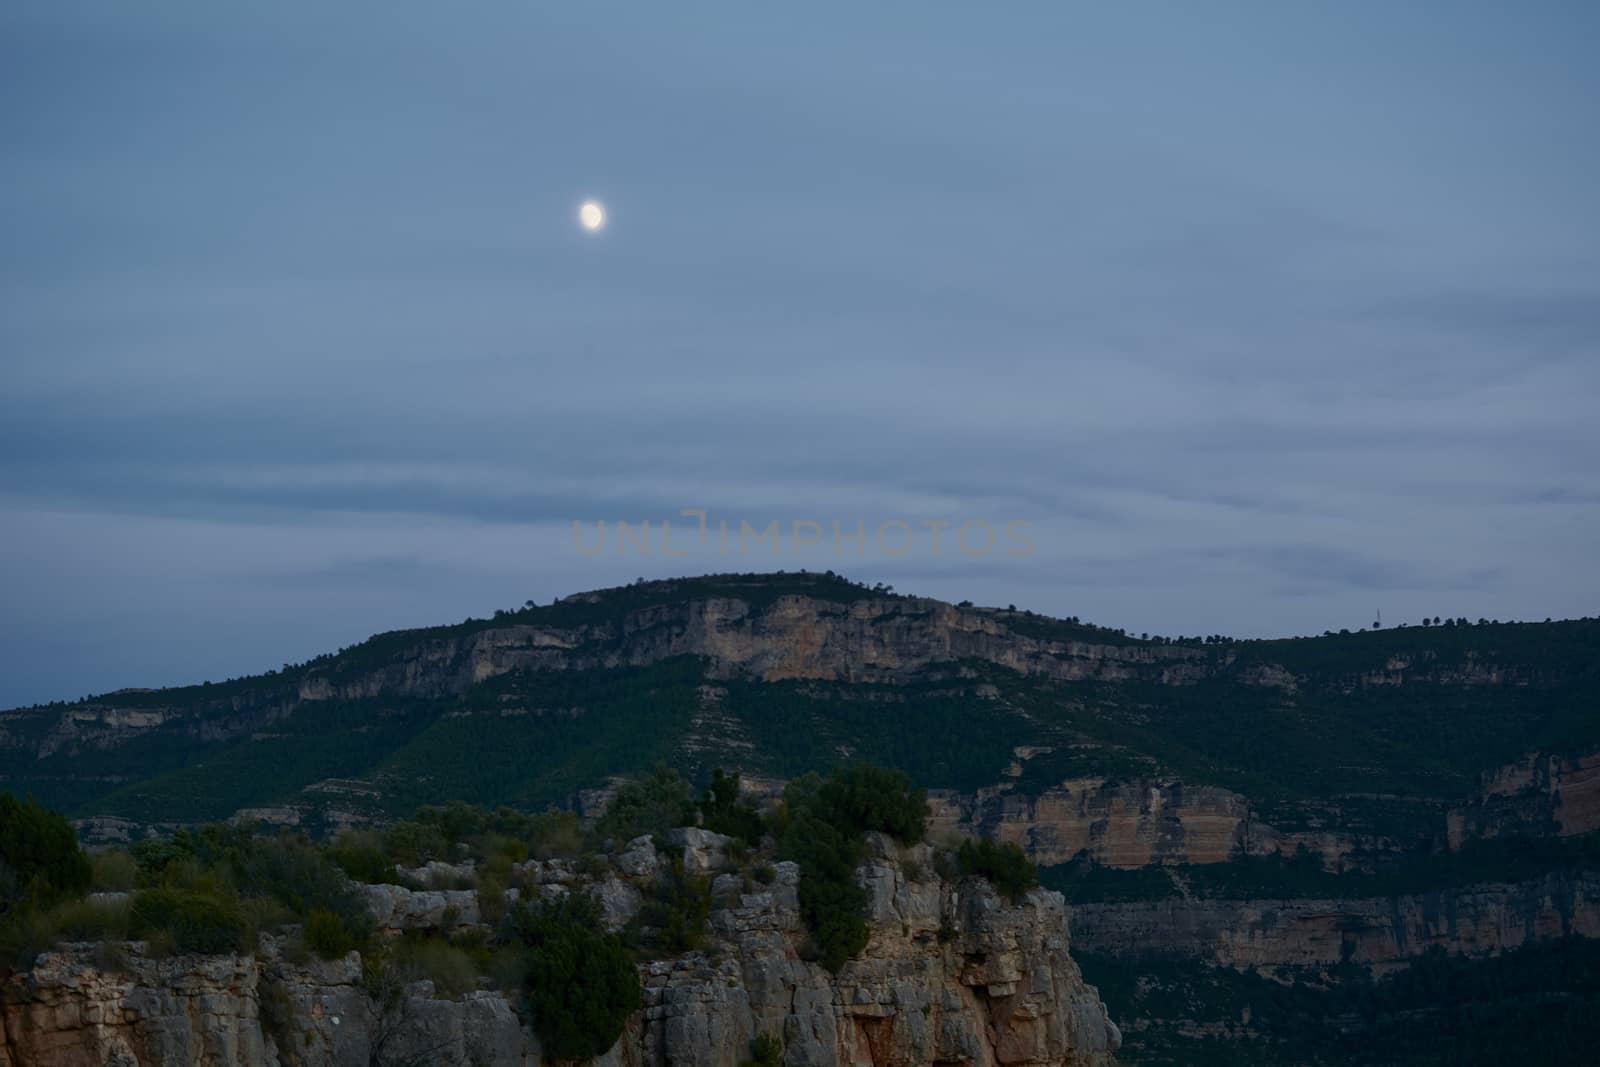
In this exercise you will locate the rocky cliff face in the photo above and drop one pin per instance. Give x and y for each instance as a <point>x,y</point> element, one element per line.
<point>952,975</point>
<point>1138,822</point>
<point>1383,932</point>
<point>1119,824</point>
<point>874,639</point>
<point>1539,795</point>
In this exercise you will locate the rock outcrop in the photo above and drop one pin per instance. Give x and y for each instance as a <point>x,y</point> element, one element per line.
<point>1382,932</point>
<point>1118,824</point>
<point>1539,795</point>
<point>952,974</point>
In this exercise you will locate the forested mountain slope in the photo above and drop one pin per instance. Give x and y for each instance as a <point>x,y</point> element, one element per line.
<point>1310,813</point>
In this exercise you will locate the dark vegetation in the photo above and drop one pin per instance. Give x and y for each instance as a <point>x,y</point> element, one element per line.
<point>581,981</point>
<point>653,806</point>
<point>765,1051</point>
<point>39,856</point>
<point>1005,865</point>
<point>723,812</point>
<point>823,826</point>
<point>961,739</point>
<point>1538,1004</point>
<point>673,919</point>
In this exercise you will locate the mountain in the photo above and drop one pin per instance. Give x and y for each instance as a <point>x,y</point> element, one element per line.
<point>1221,813</point>
<point>1376,732</point>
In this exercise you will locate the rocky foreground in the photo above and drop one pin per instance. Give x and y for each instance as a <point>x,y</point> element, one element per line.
<point>953,974</point>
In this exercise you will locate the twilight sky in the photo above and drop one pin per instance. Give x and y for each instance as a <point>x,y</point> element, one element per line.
<point>1264,319</point>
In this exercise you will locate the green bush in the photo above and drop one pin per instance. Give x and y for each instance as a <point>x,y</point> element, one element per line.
<point>154,857</point>
<point>859,799</point>
<point>290,869</point>
<point>195,922</point>
<point>654,806</point>
<point>363,861</point>
<point>90,920</point>
<point>451,969</point>
<point>412,844</point>
<point>493,881</point>
<point>114,870</point>
<point>581,981</point>
<point>822,827</point>
<point>678,909</point>
<point>30,931</point>
<point>39,854</point>
<point>723,812</point>
<point>765,1051</point>
<point>875,798</point>
<point>1006,866</point>
<point>327,935</point>
<point>553,833</point>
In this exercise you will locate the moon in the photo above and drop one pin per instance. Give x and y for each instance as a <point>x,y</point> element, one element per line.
<point>591,216</point>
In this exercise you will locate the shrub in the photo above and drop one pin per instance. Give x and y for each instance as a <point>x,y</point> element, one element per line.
<point>29,931</point>
<point>654,806</point>
<point>414,843</point>
<point>89,920</point>
<point>40,854</point>
<point>327,935</point>
<point>678,909</point>
<point>765,1051</point>
<point>865,798</point>
<point>723,812</point>
<point>823,826</point>
<point>291,870</point>
<point>114,870</point>
<point>554,833</point>
<point>1006,866</point>
<point>581,982</point>
<point>154,857</point>
<point>507,967</point>
<point>834,912</point>
<point>363,861</point>
<point>194,922</point>
<point>493,881</point>
<point>450,969</point>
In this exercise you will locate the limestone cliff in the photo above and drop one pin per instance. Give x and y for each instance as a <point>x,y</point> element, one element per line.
<point>872,639</point>
<point>1382,932</point>
<point>1118,824</point>
<point>952,975</point>
<point>1541,794</point>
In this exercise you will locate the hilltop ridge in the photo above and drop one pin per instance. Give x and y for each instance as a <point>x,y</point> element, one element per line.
<point>781,673</point>
<point>1277,808</point>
